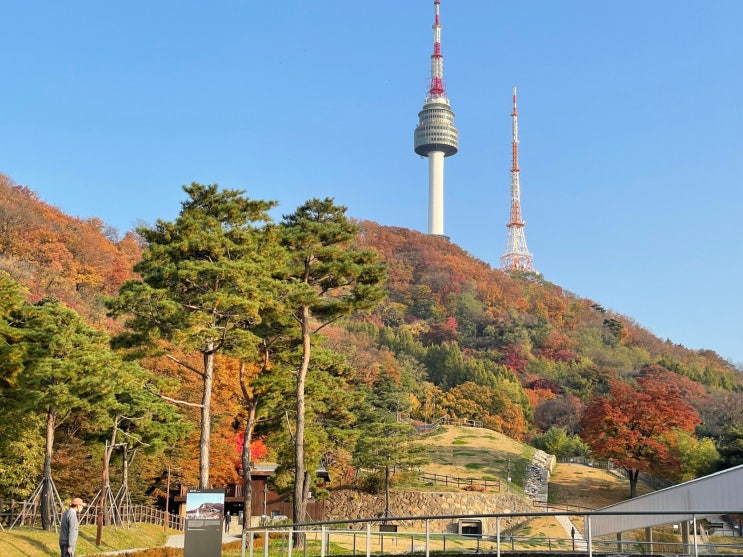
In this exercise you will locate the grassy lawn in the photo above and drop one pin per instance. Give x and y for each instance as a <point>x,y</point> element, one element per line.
<point>466,452</point>
<point>33,542</point>
<point>589,488</point>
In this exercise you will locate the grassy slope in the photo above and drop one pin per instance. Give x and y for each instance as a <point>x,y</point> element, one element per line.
<point>33,542</point>
<point>469,452</point>
<point>575,485</point>
<point>480,453</point>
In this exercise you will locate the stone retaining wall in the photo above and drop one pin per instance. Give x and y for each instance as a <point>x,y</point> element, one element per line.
<point>537,476</point>
<point>349,504</point>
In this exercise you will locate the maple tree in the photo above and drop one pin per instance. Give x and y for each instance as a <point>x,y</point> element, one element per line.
<point>635,427</point>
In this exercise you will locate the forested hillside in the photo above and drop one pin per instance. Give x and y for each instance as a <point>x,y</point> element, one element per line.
<point>451,337</point>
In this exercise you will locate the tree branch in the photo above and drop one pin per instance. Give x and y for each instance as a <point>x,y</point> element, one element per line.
<point>185,364</point>
<point>184,402</point>
<point>175,400</point>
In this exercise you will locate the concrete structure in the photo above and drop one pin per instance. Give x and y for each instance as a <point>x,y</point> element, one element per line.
<point>435,136</point>
<point>516,256</point>
<point>720,493</point>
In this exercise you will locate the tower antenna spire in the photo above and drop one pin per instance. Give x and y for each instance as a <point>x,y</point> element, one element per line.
<point>437,59</point>
<point>516,256</point>
<point>435,136</point>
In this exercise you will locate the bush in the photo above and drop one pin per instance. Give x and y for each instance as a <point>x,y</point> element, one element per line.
<point>371,482</point>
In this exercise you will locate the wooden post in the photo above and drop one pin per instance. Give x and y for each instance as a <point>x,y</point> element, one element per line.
<point>167,501</point>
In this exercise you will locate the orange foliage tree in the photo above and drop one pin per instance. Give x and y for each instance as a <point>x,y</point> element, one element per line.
<point>636,428</point>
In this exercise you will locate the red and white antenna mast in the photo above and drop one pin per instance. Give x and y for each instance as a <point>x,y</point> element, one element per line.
<point>516,256</point>
<point>437,59</point>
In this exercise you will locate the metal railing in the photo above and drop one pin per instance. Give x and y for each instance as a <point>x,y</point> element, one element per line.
<point>378,536</point>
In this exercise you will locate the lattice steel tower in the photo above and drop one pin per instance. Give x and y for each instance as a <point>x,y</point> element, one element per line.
<point>435,136</point>
<point>516,256</point>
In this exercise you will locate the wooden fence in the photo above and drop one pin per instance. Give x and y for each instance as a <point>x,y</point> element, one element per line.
<point>438,479</point>
<point>123,517</point>
<point>460,422</point>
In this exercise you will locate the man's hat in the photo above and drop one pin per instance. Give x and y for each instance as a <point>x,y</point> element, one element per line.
<point>77,502</point>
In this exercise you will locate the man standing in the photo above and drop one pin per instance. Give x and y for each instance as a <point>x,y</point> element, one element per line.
<point>69,528</point>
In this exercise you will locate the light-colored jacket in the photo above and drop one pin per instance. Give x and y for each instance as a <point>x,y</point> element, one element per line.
<point>68,529</point>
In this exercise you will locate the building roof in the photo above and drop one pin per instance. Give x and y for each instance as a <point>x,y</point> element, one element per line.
<point>719,493</point>
<point>268,468</point>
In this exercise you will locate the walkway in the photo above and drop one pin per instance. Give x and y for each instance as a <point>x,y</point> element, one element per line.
<point>177,540</point>
<point>580,541</point>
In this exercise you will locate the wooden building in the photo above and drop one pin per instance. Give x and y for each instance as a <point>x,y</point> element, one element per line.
<point>266,504</point>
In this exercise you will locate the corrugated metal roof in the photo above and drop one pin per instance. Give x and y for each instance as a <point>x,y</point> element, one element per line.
<point>719,493</point>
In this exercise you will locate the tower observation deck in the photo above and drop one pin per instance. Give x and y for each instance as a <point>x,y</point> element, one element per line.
<point>435,136</point>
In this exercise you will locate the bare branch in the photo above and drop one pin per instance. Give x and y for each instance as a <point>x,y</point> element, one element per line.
<point>184,402</point>
<point>185,364</point>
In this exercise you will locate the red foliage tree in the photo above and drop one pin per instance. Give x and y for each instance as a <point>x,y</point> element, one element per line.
<point>258,449</point>
<point>636,427</point>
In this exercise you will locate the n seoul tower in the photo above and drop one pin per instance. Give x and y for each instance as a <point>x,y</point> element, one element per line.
<point>516,256</point>
<point>435,136</point>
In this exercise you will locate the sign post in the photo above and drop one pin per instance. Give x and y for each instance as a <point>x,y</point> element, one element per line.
<point>204,519</point>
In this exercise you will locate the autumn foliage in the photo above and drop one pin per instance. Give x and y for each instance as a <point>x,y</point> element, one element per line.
<point>54,255</point>
<point>453,338</point>
<point>637,427</point>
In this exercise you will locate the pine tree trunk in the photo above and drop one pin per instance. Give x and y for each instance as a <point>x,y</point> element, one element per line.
<point>125,477</point>
<point>245,457</point>
<point>106,513</point>
<point>386,491</point>
<point>206,416</point>
<point>47,497</point>
<point>123,502</point>
<point>300,481</point>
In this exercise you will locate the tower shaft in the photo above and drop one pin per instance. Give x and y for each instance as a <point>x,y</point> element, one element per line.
<point>516,256</point>
<point>435,136</point>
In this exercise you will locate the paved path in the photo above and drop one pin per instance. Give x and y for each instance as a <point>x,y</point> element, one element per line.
<point>177,540</point>
<point>580,541</point>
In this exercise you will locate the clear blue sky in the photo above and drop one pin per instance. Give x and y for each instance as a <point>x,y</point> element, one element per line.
<point>631,128</point>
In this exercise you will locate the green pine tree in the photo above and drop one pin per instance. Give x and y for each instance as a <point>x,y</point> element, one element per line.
<point>205,278</point>
<point>71,373</point>
<point>329,280</point>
